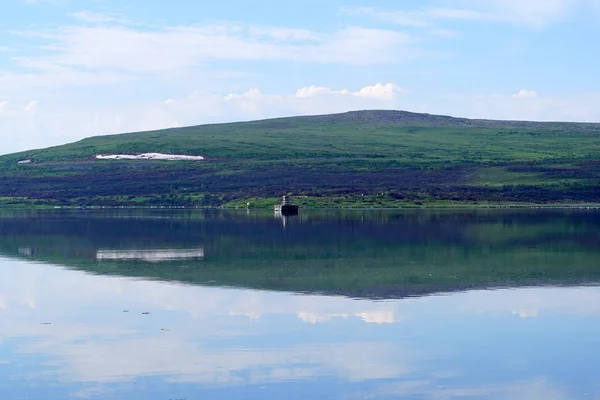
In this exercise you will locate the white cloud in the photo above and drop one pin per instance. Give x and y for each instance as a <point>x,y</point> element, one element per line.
<point>536,14</point>
<point>13,83</point>
<point>52,2</point>
<point>250,94</point>
<point>281,34</point>
<point>31,107</point>
<point>526,94</point>
<point>459,14</point>
<point>100,18</point>
<point>379,91</point>
<point>178,48</point>
<point>386,91</point>
<point>311,91</point>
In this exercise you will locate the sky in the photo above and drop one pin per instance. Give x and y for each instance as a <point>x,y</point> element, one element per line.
<point>71,69</point>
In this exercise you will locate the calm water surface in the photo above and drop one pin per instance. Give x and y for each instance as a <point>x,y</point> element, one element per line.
<point>489,304</point>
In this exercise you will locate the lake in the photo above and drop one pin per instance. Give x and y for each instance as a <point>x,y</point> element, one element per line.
<point>216,304</point>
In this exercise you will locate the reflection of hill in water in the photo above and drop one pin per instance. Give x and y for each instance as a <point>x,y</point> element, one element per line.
<point>361,254</point>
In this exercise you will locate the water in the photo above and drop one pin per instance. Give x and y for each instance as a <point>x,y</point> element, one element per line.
<point>489,304</point>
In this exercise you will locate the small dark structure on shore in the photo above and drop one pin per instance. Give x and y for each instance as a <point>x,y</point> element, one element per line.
<point>286,207</point>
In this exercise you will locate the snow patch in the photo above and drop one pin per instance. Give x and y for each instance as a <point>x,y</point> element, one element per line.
<point>149,156</point>
<point>28,161</point>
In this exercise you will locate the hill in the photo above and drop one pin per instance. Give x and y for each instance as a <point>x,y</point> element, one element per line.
<point>369,158</point>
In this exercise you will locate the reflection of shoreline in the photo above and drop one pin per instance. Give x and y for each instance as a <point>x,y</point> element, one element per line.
<point>358,254</point>
<point>151,255</point>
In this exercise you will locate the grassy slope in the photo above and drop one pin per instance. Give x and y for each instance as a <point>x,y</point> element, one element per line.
<point>367,157</point>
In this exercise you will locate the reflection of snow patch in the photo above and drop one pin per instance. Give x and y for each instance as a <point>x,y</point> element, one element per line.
<point>313,318</point>
<point>149,156</point>
<point>251,315</point>
<point>150,254</point>
<point>25,251</point>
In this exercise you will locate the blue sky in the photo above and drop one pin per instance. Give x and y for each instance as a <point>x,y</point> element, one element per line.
<point>75,68</point>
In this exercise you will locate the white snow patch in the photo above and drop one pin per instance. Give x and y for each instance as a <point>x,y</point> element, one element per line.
<point>149,156</point>
<point>28,161</point>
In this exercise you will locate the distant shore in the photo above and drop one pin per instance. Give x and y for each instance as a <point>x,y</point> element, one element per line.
<point>306,204</point>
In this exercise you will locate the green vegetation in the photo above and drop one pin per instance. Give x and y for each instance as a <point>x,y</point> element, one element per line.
<point>366,158</point>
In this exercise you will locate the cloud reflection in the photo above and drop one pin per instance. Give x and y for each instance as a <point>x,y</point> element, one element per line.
<point>114,330</point>
<point>370,317</point>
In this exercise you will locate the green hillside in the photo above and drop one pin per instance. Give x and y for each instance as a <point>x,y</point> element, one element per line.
<point>368,158</point>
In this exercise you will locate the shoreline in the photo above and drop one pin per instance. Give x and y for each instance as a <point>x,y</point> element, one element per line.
<point>590,206</point>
